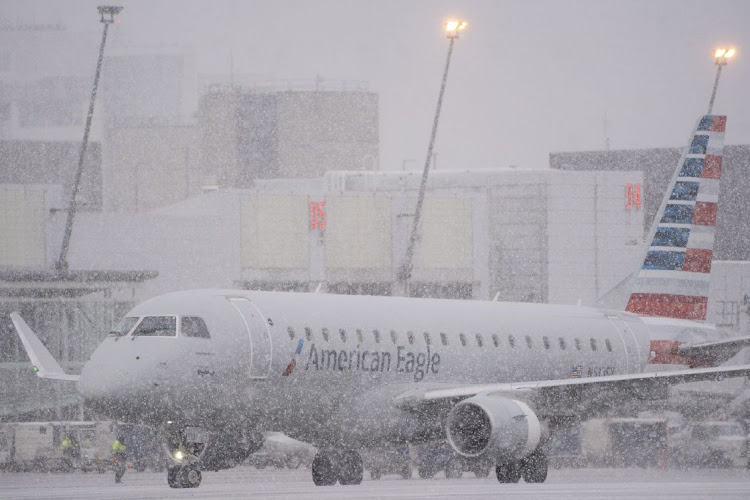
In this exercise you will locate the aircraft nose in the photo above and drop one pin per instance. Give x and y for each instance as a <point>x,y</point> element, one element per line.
<point>98,384</point>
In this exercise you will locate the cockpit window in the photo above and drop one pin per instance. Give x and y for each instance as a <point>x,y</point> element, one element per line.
<point>193,326</point>
<point>157,326</point>
<point>124,327</point>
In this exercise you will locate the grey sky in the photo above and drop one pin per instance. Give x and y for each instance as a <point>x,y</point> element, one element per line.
<point>528,78</point>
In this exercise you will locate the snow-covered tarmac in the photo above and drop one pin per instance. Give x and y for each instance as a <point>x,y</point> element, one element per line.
<point>246,482</point>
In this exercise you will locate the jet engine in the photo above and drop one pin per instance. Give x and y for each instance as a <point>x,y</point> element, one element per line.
<point>502,428</point>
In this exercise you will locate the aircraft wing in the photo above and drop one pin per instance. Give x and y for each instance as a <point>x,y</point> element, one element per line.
<point>555,396</point>
<point>716,352</point>
<point>45,365</point>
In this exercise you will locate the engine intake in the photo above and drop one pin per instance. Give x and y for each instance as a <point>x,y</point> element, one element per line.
<point>502,428</point>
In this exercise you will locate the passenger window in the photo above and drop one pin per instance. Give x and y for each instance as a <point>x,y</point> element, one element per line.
<point>193,326</point>
<point>342,332</point>
<point>157,326</point>
<point>360,337</point>
<point>462,338</point>
<point>124,327</point>
<point>608,344</point>
<point>495,340</point>
<point>443,338</point>
<point>427,338</point>
<point>593,344</point>
<point>410,337</point>
<point>511,340</point>
<point>289,329</point>
<point>376,334</point>
<point>545,341</point>
<point>578,343</point>
<point>394,336</point>
<point>480,343</point>
<point>529,342</point>
<point>563,345</point>
<point>308,334</point>
<point>324,331</point>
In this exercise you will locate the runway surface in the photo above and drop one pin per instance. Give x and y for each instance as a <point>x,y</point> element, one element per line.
<point>247,482</point>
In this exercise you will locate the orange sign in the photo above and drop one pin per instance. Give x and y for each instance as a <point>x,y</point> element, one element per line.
<point>318,219</point>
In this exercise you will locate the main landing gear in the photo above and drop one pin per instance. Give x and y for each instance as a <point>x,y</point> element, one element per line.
<point>344,466</point>
<point>533,469</point>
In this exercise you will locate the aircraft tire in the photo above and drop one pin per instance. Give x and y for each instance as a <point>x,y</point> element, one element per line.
<point>351,468</point>
<point>454,469</point>
<point>482,470</point>
<point>534,467</point>
<point>190,476</point>
<point>172,473</point>
<point>324,469</point>
<point>508,472</point>
<point>425,472</point>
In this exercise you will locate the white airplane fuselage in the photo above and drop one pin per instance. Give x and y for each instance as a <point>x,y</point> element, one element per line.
<point>374,345</point>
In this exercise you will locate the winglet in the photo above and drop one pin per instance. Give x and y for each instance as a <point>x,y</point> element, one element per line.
<point>45,365</point>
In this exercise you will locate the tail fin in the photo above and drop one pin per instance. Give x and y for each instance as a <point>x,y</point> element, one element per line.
<point>674,279</point>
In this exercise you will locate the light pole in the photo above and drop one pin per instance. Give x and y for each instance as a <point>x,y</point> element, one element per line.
<point>107,16</point>
<point>453,30</point>
<point>722,57</point>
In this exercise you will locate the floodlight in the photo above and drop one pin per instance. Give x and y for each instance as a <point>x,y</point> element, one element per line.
<point>453,27</point>
<point>108,10</point>
<point>722,55</point>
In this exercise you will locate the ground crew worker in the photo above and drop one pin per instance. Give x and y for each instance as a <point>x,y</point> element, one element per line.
<point>68,447</point>
<point>119,457</point>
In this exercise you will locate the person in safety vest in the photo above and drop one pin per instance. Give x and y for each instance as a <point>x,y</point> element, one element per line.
<point>119,457</point>
<point>70,451</point>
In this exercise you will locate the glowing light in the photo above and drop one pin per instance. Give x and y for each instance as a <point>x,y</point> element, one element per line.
<point>453,27</point>
<point>723,54</point>
<point>179,455</point>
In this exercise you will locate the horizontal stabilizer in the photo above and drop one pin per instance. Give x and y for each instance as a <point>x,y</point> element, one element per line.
<point>45,365</point>
<point>715,352</point>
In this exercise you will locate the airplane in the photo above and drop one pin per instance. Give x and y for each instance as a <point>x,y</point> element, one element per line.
<point>214,369</point>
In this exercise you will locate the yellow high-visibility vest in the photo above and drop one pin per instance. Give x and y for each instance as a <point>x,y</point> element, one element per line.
<point>117,446</point>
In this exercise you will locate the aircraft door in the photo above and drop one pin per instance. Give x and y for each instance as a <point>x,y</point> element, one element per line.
<point>259,335</point>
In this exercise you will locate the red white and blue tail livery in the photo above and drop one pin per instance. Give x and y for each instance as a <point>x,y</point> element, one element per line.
<point>674,279</point>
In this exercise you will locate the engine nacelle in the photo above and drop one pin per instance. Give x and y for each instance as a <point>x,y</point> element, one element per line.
<point>496,426</point>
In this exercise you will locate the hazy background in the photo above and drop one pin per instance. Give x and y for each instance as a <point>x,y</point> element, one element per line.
<point>527,79</point>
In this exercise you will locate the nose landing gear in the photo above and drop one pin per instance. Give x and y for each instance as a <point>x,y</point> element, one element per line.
<point>184,476</point>
<point>185,446</point>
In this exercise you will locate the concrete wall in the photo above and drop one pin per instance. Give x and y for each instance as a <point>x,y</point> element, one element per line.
<point>658,164</point>
<point>729,296</point>
<point>22,227</point>
<point>543,236</point>
<point>162,170</point>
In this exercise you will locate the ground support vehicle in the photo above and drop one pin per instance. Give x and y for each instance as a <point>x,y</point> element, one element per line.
<point>37,446</point>
<point>710,444</point>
